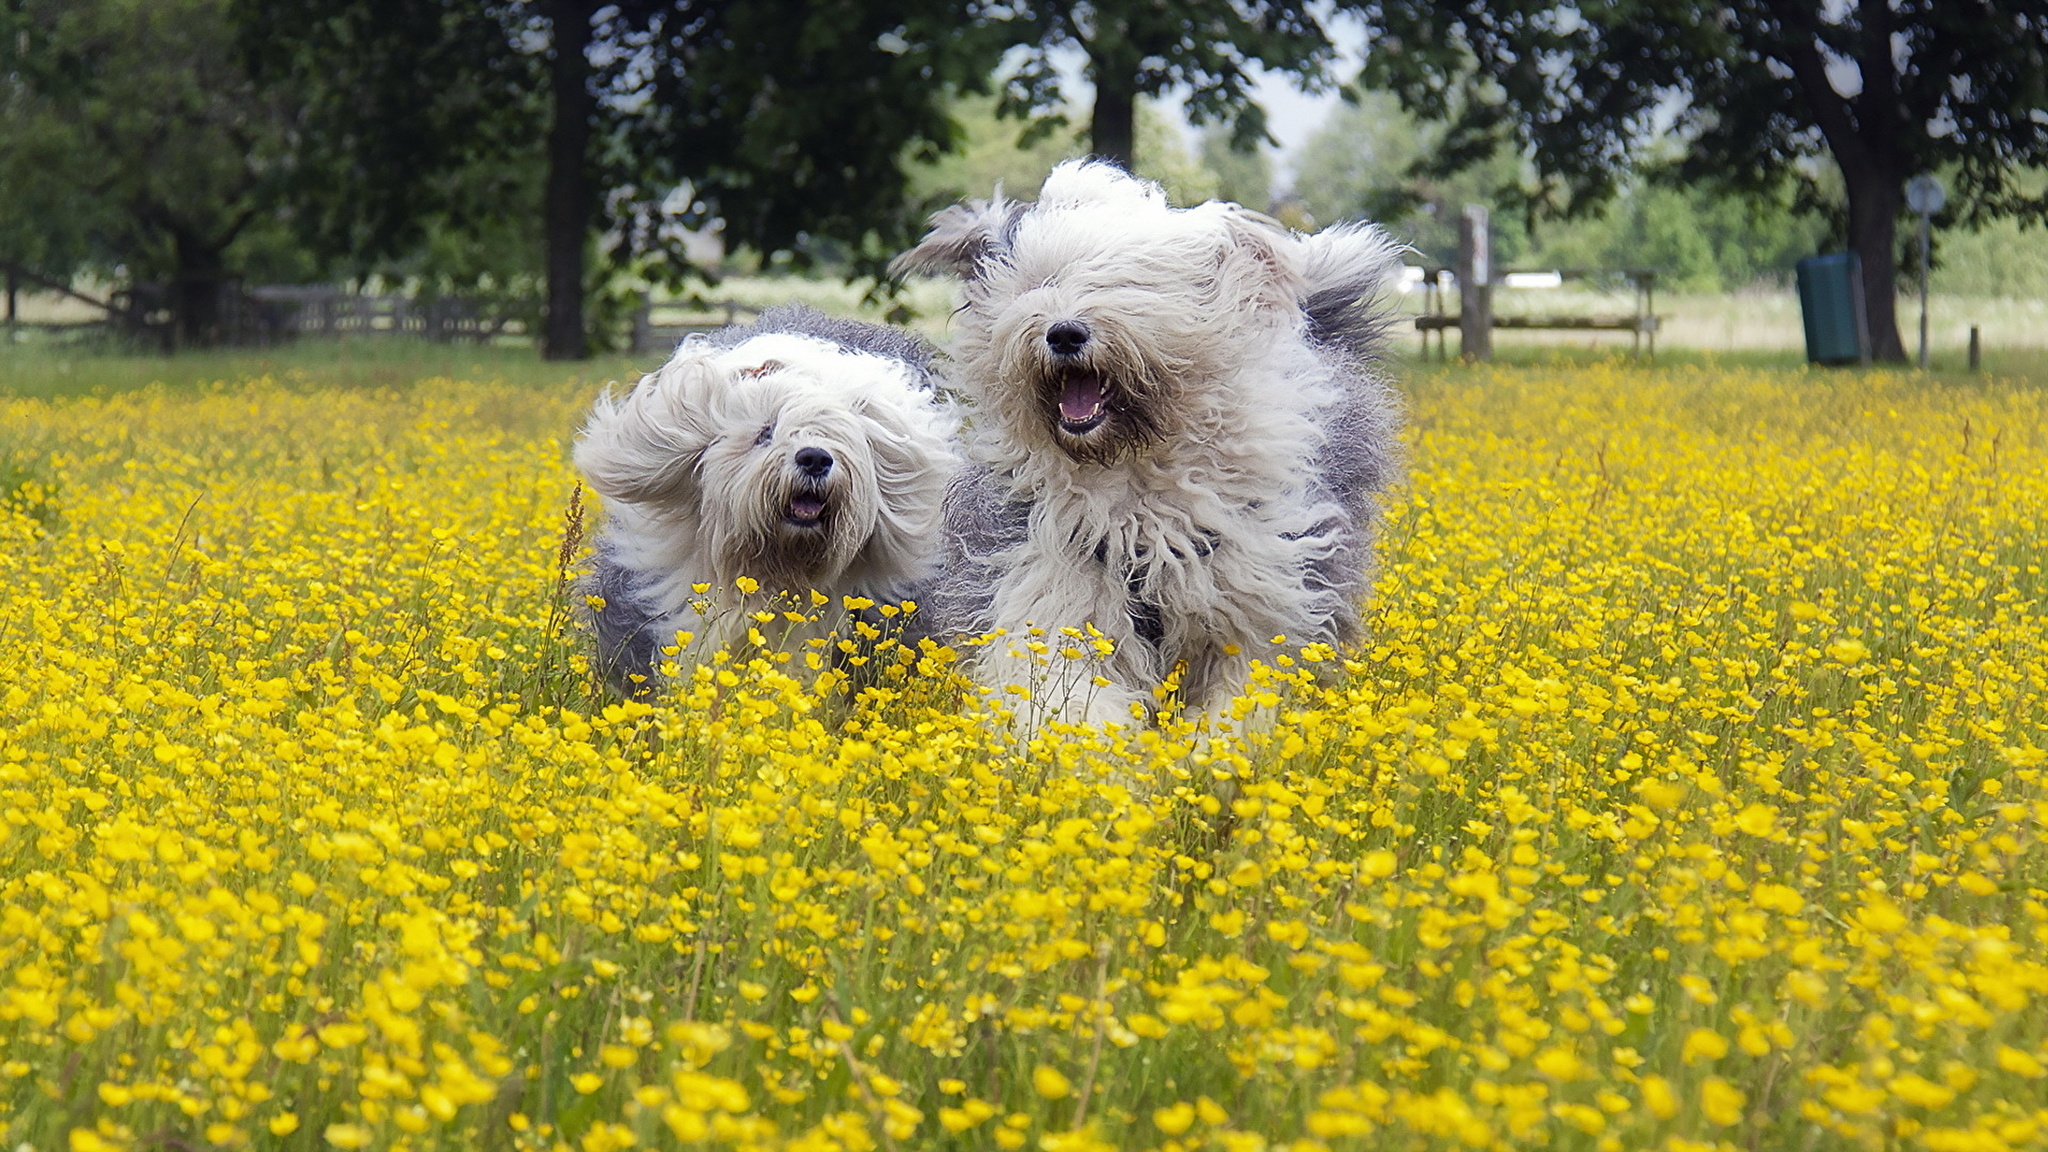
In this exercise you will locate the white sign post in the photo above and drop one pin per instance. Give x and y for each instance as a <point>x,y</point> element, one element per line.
<point>1925,196</point>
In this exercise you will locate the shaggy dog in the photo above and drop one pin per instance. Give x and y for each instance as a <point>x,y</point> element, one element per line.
<point>761,464</point>
<point>1176,437</point>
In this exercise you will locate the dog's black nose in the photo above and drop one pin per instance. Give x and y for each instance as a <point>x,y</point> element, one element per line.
<point>1067,337</point>
<point>813,461</point>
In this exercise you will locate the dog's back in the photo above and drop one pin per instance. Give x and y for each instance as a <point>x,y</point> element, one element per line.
<point>1347,269</point>
<point>855,335</point>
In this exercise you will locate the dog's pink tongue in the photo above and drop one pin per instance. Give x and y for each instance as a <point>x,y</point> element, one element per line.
<point>1082,398</point>
<point>806,507</point>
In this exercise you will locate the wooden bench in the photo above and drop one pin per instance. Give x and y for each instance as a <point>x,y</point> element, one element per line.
<point>1643,323</point>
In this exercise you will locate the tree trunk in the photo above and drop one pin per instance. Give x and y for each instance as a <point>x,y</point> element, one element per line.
<point>1112,126</point>
<point>1864,133</point>
<point>196,287</point>
<point>1876,185</point>
<point>1874,204</point>
<point>568,194</point>
<point>1113,63</point>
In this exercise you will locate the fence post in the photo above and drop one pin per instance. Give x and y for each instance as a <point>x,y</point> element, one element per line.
<point>1475,284</point>
<point>11,286</point>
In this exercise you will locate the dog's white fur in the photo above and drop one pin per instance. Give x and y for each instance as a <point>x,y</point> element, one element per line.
<point>700,469</point>
<point>1225,502</point>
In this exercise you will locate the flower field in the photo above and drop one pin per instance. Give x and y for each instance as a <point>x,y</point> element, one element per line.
<point>1689,794</point>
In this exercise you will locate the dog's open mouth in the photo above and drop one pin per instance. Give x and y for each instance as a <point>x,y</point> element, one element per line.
<point>806,510</point>
<point>1082,402</point>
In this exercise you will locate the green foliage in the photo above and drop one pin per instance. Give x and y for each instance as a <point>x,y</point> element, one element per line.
<point>787,124</point>
<point>1767,95</point>
<point>996,152</point>
<point>417,150</point>
<point>991,152</point>
<point>1699,239</point>
<point>1746,84</point>
<point>1138,48</point>
<point>1372,161</point>
<point>1162,154</point>
<point>791,123</point>
<point>2000,258</point>
<point>1243,175</point>
<point>131,139</point>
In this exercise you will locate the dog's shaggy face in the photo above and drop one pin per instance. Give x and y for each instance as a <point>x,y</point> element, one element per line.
<point>794,466</point>
<point>786,459</point>
<point>1097,314</point>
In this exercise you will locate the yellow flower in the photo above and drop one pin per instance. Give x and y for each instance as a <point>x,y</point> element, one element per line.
<point>1174,1119</point>
<point>1721,1102</point>
<point>1920,1092</point>
<point>1703,1044</point>
<point>347,1136</point>
<point>2019,1063</point>
<point>1658,1097</point>
<point>1847,651</point>
<point>1050,1082</point>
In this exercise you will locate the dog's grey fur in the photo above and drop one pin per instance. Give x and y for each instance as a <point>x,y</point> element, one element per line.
<point>1199,476</point>
<point>701,468</point>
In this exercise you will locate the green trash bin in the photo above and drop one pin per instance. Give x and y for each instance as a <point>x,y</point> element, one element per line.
<point>1831,307</point>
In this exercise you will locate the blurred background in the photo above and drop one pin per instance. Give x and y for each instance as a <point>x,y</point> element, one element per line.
<point>568,177</point>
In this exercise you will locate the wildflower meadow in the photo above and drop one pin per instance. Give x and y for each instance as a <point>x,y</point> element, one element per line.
<point>1687,794</point>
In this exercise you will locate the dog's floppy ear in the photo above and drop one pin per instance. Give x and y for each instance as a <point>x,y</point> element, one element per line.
<point>644,447</point>
<point>1264,256</point>
<point>914,464</point>
<point>961,237</point>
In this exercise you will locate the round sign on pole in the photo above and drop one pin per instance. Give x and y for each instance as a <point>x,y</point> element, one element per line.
<point>1925,195</point>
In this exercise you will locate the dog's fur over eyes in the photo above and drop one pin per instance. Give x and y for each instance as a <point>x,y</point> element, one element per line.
<point>1176,433</point>
<point>803,452</point>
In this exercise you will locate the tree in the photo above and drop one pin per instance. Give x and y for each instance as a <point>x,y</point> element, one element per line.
<point>786,123</point>
<point>1137,48</point>
<point>130,138</point>
<point>1371,161</point>
<point>1759,89</point>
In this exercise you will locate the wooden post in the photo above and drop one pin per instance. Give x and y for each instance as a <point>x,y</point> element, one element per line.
<point>11,286</point>
<point>1976,350</point>
<point>1475,284</point>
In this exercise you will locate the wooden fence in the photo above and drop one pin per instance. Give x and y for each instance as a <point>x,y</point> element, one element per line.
<point>327,312</point>
<point>273,314</point>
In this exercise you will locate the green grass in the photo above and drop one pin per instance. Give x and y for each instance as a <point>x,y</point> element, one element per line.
<point>2023,365</point>
<point>45,370</point>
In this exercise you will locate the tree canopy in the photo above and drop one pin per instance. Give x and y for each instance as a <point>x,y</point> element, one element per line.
<point>133,140</point>
<point>1762,91</point>
<point>1140,48</point>
<point>788,123</point>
